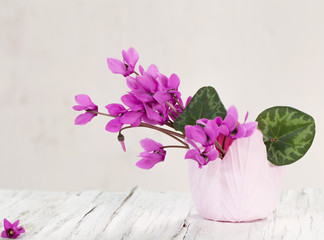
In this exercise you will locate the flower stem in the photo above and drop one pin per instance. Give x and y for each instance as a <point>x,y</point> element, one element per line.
<point>100,113</point>
<point>173,108</point>
<point>167,132</point>
<point>172,115</point>
<point>163,130</point>
<point>179,104</point>
<point>173,134</point>
<point>169,124</point>
<point>174,146</point>
<point>219,147</point>
<point>223,145</point>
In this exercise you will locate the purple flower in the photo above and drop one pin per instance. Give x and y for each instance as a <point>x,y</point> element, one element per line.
<point>245,129</point>
<point>150,93</point>
<point>154,153</point>
<point>168,89</point>
<point>202,157</point>
<point>123,116</point>
<point>202,140</point>
<point>203,136</point>
<point>237,130</point>
<point>84,103</point>
<point>11,230</point>
<point>153,99</point>
<point>197,134</point>
<point>127,67</point>
<point>231,119</point>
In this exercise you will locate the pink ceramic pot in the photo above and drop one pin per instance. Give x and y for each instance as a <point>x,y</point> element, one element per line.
<point>244,186</point>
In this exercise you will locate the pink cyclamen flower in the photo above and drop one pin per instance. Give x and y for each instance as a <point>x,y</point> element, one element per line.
<point>202,157</point>
<point>127,67</point>
<point>154,94</point>
<point>84,103</point>
<point>11,230</point>
<point>203,136</point>
<point>202,140</point>
<point>154,153</point>
<point>237,130</point>
<point>122,116</point>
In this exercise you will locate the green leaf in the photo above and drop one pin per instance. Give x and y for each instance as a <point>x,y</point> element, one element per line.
<point>287,133</point>
<point>205,104</point>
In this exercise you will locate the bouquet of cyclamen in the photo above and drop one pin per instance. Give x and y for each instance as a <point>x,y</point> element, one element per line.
<point>201,124</point>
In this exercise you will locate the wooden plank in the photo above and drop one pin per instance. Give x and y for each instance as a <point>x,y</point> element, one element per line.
<point>149,215</point>
<point>299,215</point>
<point>107,206</point>
<point>56,215</point>
<point>140,214</point>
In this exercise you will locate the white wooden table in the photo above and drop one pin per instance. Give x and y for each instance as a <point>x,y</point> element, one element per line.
<point>140,214</point>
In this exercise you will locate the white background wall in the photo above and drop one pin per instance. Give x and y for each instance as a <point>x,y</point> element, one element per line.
<point>257,54</point>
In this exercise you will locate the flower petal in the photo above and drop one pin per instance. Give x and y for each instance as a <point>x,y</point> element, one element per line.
<point>146,163</point>
<point>15,224</point>
<point>79,107</point>
<point>163,80</point>
<point>84,118</point>
<point>152,115</point>
<point>218,120</point>
<point>193,144</point>
<point>212,155</point>
<point>114,125</point>
<point>147,82</point>
<point>131,101</point>
<point>246,116</point>
<point>196,133</point>
<point>202,121</point>
<point>240,131</point>
<point>161,108</point>
<point>191,154</point>
<point>230,122</point>
<point>131,117</point>
<point>162,97</point>
<point>116,66</point>
<point>150,145</point>
<point>212,131</point>
<point>233,111</point>
<point>6,224</point>
<point>224,130</point>
<point>142,95</point>
<point>137,122</point>
<point>153,70</point>
<point>188,101</point>
<point>174,82</point>
<point>84,100</point>
<point>132,83</point>
<point>130,56</point>
<point>153,155</point>
<point>4,234</point>
<point>250,127</point>
<point>123,145</point>
<point>115,109</point>
<point>195,155</point>
<point>141,69</point>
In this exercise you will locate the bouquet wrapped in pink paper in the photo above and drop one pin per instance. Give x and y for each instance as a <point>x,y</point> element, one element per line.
<point>235,167</point>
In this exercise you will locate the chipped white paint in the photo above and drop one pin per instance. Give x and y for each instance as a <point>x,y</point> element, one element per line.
<point>140,214</point>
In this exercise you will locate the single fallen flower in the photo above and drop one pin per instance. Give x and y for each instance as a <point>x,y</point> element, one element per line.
<point>11,230</point>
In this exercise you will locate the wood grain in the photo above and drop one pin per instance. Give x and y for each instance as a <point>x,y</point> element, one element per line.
<point>140,214</point>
